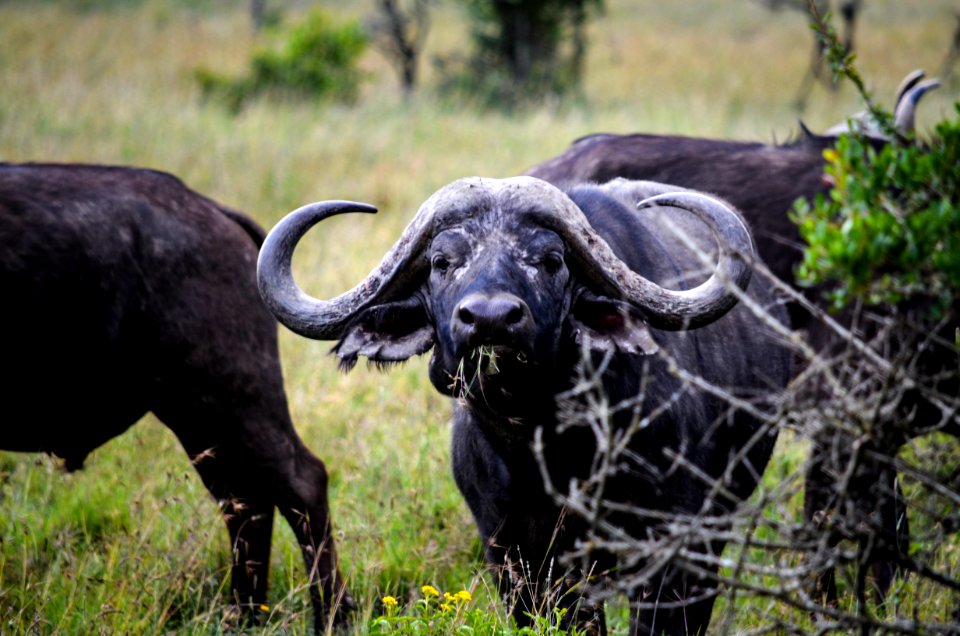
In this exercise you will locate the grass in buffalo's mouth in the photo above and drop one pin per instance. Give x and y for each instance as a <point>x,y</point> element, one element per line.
<point>485,361</point>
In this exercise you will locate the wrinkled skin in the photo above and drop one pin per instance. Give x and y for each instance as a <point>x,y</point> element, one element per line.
<point>498,279</point>
<point>471,281</point>
<point>127,293</point>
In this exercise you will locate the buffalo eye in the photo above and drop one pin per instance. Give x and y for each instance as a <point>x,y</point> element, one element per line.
<point>440,263</point>
<point>552,262</point>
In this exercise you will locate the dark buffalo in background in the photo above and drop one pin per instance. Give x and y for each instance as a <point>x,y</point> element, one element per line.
<point>508,281</point>
<point>124,293</point>
<point>763,181</point>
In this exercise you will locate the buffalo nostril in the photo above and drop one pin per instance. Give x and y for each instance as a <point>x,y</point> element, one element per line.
<point>492,316</point>
<point>466,316</point>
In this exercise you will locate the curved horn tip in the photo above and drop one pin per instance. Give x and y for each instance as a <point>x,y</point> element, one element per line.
<point>279,291</point>
<point>733,238</point>
<point>928,85</point>
<point>910,80</point>
<point>296,223</point>
<point>681,197</point>
<point>335,206</point>
<point>903,118</point>
<point>665,198</point>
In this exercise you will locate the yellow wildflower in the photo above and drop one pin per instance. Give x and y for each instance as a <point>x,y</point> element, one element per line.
<point>429,591</point>
<point>389,601</point>
<point>463,596</point>
<point>264,608</point>
<point>445,607</point>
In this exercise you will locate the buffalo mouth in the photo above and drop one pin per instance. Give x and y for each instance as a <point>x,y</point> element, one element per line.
<point>484,366</point>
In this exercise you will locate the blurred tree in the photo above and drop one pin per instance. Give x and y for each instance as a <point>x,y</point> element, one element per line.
<point>257,9</point>
<point>400,34</point>
<point>263,15</point>
<point>817,71</point>
<point>525,49</point>
<point>953,54</point>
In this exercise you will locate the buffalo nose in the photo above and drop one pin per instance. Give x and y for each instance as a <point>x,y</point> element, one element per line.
<point>496,319</point>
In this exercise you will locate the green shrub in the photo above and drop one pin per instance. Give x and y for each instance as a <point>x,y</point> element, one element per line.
<point>317,59</point>
<point>890,228</point>
<point>522,53</point>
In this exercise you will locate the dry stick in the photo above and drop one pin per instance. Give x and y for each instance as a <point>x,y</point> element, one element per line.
<point>894,373</point>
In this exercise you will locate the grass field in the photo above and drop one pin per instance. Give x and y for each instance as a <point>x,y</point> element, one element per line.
<point>133,543</point>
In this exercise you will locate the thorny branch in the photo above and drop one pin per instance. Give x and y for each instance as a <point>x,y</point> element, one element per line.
<point>870,404</point>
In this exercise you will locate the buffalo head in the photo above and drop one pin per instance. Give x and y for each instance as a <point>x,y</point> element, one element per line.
<point>500,277</point>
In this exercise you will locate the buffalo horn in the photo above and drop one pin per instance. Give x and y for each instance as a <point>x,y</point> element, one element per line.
<point>664,308</point>
<point>401,267</point>
<point>303,314</point>
<point>903,118</point>
<point>908,82</point>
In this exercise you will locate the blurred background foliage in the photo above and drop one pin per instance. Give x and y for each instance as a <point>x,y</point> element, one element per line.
<point>314,58</point>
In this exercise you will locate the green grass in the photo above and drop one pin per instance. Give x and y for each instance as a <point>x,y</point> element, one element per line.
<point>133,543</point>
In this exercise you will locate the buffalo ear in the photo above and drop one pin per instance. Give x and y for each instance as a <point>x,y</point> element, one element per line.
<point>386,334</point>
<point>610,325</point>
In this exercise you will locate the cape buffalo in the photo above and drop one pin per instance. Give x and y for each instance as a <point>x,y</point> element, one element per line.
<point>763,181</point>
<point>512,282</point>
<point>127,292</point>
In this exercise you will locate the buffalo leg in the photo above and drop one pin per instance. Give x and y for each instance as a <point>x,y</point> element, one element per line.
<point>521,535</point>
<point>249,483</point>
<point>303,503</point>
<point>872,511</point>
<point>252,461</point>
<point>288,476</point>
<point>893,536</point>
<point>530,578</point>
<point>818,499</point>
<point>250,526</point>
<point>249,519</point>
